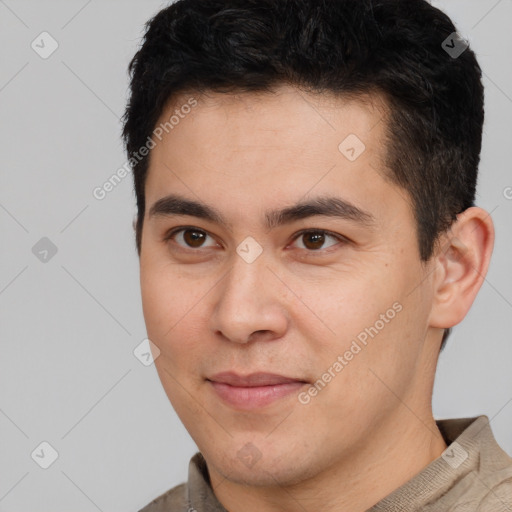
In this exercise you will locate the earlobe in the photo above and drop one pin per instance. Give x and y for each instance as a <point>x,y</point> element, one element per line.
<point>462,261</point>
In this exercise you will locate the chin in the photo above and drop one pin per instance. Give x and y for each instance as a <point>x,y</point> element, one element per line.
<point>266,471</point>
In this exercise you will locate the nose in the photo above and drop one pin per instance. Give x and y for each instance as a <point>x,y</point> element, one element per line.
<point>249,303</point>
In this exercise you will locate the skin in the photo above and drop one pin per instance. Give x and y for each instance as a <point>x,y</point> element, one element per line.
<point>295,309</point>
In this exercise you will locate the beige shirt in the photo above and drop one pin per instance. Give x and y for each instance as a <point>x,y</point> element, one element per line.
<point>472,475</point>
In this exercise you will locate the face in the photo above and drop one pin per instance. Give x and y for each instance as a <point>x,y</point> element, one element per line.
<point>288,335</point>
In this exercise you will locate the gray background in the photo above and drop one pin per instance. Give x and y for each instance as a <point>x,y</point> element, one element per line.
<point>69,325</point>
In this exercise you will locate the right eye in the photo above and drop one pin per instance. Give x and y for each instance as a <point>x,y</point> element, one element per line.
<point>188,238</point>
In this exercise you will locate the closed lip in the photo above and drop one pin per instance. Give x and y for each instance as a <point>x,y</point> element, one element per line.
<point>253,379</point>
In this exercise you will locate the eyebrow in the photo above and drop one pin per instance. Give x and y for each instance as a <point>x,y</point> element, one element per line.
<point>327,206</point>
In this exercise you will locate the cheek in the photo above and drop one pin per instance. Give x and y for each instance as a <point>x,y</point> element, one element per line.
<point>173,308</point>
<point>372,307</point>
<point>343,303</point>
<point>163,300</point>
<point>157,301</point>
<point>161,282</point>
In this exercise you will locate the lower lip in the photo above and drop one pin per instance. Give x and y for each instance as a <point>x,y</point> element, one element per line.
<point>254,397</point>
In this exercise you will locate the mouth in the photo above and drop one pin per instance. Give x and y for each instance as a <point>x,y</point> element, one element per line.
<point>255,390</point>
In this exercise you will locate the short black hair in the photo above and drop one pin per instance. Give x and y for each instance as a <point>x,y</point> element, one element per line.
<point>393,48</point>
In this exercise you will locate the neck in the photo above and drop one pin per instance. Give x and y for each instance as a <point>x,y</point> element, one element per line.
<point>397,451</point>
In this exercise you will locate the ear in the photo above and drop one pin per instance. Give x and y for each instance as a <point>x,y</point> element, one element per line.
<point>461,263</point>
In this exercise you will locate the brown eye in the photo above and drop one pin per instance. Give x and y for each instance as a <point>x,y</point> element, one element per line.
<point>313,240</point>
<point>189,238</point>
<point>193,238</point>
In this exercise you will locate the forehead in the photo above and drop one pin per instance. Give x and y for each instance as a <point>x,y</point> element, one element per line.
<point>277,146</point>
<point>283,107</point>
<point>310,126</point>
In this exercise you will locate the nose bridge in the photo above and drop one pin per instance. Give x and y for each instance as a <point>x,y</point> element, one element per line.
<point>246,301</point>
<point>244,283</point>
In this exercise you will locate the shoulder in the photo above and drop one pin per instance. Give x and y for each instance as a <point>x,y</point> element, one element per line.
<point>494,478</point>
<point>174,500</point>
<point>498,498</point>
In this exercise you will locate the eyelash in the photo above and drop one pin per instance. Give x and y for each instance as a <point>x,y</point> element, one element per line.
<point>341,239</point>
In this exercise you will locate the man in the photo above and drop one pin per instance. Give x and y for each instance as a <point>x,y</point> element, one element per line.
<point>305,176</point>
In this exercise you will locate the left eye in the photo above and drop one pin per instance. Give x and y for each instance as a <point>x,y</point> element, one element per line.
<point>315,239</point>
